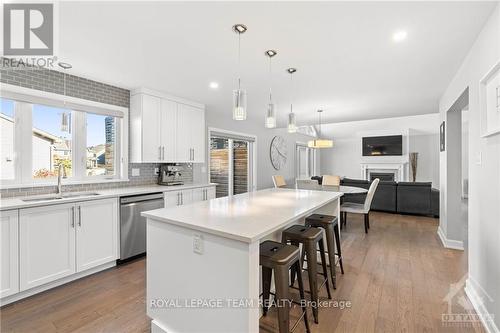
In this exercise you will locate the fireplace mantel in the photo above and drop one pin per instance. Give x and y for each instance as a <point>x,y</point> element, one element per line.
<point>400,170</point>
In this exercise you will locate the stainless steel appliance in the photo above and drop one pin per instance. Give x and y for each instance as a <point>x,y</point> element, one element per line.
<point>133,225</point>
<point>170,174</point>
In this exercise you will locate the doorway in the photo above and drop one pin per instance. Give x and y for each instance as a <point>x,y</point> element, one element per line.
<point>305,161</point>
<point>455,225</point>
<point>231,162</point>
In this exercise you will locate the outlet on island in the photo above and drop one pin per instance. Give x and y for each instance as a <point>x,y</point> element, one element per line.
<point>198,244</point>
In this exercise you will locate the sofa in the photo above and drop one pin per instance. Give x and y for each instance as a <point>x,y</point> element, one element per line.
<point>396,197</point>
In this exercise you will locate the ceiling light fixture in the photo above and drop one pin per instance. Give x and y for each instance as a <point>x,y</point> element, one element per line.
<point>213,85</point>
<point>319,142</point>
<point>399,36</point>
<point>239,95</point>
<point>271,107</point>
<point>65,65</point>
<point>65,117</point>
<point>292,121</point>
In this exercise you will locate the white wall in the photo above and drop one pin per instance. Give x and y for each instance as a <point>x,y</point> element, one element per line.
<point>265,169</point>
<point>420,135</point>
<point>484,173</point>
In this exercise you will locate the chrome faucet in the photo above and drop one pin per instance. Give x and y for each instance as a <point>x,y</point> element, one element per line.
<point>60,170</point>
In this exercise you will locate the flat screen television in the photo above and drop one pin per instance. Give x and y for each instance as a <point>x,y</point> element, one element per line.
<point>391,145</point>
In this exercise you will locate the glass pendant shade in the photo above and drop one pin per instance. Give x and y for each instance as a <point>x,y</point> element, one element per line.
<point>239,104</point>
<point>320,143</point>
<point>271,116</point>
<point>292,124</point>
<point>64,122</point>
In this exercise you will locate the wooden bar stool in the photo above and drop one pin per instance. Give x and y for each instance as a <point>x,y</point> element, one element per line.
<point>310,238</point>
<point>331,226</point>
<point>281,258</point>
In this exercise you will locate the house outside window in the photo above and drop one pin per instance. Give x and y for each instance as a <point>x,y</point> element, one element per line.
<point>38,137</point>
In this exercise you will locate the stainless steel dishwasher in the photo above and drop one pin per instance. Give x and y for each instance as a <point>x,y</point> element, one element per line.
<point>133,225</point>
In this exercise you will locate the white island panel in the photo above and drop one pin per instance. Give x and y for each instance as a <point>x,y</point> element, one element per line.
<point>227,270</point>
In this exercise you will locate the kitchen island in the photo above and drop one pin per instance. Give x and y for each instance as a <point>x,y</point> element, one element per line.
<point>203,259</point>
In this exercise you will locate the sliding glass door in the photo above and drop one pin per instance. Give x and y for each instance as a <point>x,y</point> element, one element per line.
<point>231,164</point>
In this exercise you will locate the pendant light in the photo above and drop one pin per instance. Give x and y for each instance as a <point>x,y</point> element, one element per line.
<point>65,117</point>
<point>271,107</point>
<point>292,121</point>
<point>239,95</point>
<point>319,142</point>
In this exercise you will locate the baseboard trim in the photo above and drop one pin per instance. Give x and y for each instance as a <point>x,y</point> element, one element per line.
<point>35,290</point>
<point>449,243</point>
<point>156,327</point>
<point>472,293</point>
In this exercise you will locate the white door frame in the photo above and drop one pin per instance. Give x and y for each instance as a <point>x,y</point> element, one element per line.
<point>252,155</point>
<point>310,169</point>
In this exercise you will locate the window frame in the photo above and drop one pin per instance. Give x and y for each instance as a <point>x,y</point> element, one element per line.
<point>23,126</point>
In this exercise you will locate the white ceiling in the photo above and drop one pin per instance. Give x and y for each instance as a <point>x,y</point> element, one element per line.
<point>424,124</point>
<point>347,61</point>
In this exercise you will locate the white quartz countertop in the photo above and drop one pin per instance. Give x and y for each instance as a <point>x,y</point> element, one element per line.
<point>17,202</point>
<point>246,217</point>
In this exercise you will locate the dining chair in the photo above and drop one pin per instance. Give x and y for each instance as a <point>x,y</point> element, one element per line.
<point>279,181</point>
<point>307,184</point>
<point>358,208</point>
<point>330,180</point>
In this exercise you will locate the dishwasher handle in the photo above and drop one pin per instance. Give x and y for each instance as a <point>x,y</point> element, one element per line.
<point>139,198</point>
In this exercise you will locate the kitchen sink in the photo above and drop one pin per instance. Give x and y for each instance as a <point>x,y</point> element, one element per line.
<point>59,197</point>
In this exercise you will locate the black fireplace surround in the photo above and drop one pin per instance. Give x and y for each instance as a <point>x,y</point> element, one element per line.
<point>396,197</point>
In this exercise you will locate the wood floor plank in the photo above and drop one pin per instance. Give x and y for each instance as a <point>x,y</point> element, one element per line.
<point>396,278</point>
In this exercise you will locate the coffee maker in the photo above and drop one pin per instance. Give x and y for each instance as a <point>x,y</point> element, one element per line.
<point>170,174</point>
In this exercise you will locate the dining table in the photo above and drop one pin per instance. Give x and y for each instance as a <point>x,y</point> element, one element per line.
<point>345,190</point>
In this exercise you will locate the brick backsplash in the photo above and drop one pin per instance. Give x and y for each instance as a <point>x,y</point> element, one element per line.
<point>53,81</point>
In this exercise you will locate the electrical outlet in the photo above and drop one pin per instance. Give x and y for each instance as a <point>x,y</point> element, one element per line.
<point>157,171</point>
<point>198,244</point>
<point>136,172</point>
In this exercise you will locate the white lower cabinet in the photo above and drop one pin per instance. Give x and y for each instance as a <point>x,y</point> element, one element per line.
<point>9,251</point>
<point>96,233</point>
<point>210,193</point>
<point>184,197</point>
<point>172,199</point>
<point>46,244</point>
<point>60,240</point>
<point>202,194</point>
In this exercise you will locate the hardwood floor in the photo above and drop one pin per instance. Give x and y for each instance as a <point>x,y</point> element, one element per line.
<point>396,278</point>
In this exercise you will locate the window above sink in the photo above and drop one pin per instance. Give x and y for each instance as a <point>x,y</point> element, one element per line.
<point>43,130</point>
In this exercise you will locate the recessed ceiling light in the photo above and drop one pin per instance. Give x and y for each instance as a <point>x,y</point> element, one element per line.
<point>399,36</point>
<point>213,85</point>
<point>65,65</point>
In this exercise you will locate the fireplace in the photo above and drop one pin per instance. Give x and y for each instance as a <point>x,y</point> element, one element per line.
<point>383,176</point>
<point>385,171</point>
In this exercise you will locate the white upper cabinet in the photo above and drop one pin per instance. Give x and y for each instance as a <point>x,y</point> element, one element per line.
<point>151,123</point>
<point>191,128</point>
<point>164,128</point>
<point>9,269</point>
<point>168,130</point>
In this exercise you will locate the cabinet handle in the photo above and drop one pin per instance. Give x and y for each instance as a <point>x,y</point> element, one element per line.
<point>193,154</point>
<point>163,152</point>
<point>178,198</point>
<point>73,217</point>
<point>159,152</point>
<point>182,198</point>
<point>79,216</point>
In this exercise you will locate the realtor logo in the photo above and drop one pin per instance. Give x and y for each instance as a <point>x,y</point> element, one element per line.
<point>28,29</point>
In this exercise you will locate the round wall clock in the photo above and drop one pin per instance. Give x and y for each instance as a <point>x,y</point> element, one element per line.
<point>277,152</point>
